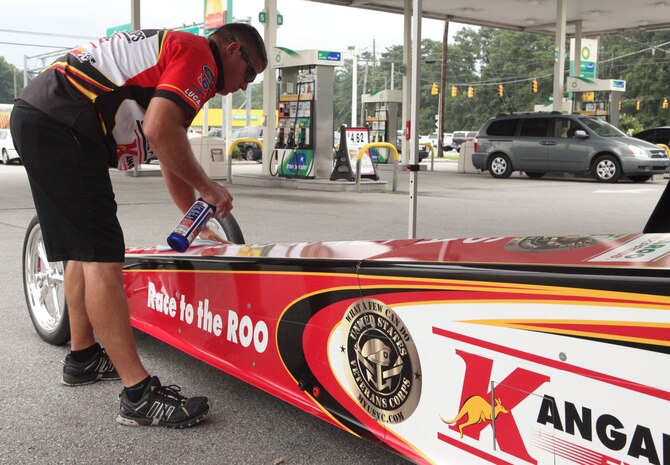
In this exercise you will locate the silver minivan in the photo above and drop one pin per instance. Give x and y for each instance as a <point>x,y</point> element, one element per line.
<point>538,143</point>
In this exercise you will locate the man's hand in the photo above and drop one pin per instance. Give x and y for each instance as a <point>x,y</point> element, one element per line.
<point>218,196</point>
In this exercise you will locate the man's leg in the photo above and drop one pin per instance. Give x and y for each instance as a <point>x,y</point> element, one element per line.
<point>107,310</point>
<point>81,331</point>
<point>87,362</point>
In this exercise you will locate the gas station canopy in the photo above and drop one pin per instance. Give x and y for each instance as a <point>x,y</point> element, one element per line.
<point>536,16</point>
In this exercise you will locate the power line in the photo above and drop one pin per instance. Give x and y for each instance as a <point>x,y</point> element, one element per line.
<point>35,45</point>
<point>34,33</point>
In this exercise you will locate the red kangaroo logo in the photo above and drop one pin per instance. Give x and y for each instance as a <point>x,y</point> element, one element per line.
<point>478,410</point>
<point>514,388</point>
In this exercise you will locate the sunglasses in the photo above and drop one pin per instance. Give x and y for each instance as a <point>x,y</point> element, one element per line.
<point>251,73</point>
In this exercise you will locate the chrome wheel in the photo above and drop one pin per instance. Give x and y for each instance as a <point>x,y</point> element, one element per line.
<point>607,169</point>
<point>500,166</point>
<point>44,289</point>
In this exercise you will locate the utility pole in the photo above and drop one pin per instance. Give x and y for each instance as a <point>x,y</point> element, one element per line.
<point>365,89</point>
<point>354,84</point>
<point>442,97</point>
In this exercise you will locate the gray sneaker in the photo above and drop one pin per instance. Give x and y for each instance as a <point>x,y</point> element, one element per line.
<point>162,406</point>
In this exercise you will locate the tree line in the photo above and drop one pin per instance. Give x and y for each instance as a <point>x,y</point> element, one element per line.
<point>482,59</point>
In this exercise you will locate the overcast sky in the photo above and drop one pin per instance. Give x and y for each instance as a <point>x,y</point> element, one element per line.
<point>307,25</point>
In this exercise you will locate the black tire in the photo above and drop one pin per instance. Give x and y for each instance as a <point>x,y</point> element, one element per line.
<point>228,228</point>
<point>499,166</point>
<point>606,168</point>
<point>44,289</point>
<point>640,178</point>
<point>250,155</point>
<point>535,174</point>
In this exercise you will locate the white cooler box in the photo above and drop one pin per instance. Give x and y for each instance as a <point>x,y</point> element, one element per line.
<point>211,154</point>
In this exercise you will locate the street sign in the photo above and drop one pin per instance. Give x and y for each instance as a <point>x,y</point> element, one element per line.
<point>329,56</point>
<point>575,84</point>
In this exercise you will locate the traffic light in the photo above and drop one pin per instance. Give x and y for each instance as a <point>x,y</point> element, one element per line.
<point>454,91</point>
<point>500,90</point>
<point>665,103</point>
<point>471,92</point>
<point>434,90</point>
<point>620,107</point>
<point>637,105</point>
<point>534,86</point>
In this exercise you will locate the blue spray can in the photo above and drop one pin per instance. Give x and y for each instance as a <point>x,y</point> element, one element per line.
<point>190,226</point>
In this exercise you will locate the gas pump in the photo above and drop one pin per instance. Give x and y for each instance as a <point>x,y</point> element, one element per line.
<point>304,146</point>
<point>599,97</point>
<point>381,116</point>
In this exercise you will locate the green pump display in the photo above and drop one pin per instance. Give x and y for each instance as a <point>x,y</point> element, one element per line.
<point>294,150</point>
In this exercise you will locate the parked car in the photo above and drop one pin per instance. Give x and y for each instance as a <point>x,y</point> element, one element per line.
<point>660,135</point>
<point>459,137</point>
<point>216,132</point>
<point>7,151</point>
<point>250,150</point>
<point>427,140</point>
<point>537,143</point>
<point>192,133</point>
<point>448,141</point>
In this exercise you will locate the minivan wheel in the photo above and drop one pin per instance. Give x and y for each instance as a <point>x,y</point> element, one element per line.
<point>500,166</point>
<point>640,178</point>
<point>534,174</point>
<point>250,154</point>
<point>606,169</point>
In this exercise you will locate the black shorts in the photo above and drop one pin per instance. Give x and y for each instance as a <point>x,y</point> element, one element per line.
<point>72,190</point>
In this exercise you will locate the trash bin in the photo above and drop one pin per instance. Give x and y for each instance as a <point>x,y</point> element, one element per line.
<point>211,154</point>
<point>465,158</point>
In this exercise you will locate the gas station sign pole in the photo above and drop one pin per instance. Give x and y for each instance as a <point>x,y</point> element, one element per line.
<point>269,84</point>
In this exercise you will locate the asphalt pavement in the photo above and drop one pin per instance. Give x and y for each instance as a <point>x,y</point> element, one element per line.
<point>46,422</point>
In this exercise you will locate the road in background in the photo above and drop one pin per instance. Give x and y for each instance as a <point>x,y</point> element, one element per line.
<point>51,423</point>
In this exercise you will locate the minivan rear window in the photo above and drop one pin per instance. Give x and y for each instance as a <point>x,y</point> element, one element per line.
<point>502,127</point>
<point>535,127</point>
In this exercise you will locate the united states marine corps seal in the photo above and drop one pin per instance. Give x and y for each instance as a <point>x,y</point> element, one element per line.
<point>384,370</point>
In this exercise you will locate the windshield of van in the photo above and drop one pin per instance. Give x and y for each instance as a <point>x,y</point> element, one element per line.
<point>600,127</point>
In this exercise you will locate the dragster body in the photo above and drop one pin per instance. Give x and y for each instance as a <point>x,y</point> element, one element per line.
<point>529,350</point>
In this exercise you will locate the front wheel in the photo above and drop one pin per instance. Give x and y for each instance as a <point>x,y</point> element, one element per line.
<point>43,286</point>
<point>606,169</point>
<point>500,166</point>
<point>227,228</point>
<point>250,154</point>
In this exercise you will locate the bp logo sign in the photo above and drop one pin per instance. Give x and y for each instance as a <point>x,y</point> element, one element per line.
<point>384,370</point>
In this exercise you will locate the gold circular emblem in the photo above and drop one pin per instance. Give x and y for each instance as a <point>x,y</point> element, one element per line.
<point>384,370</point>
